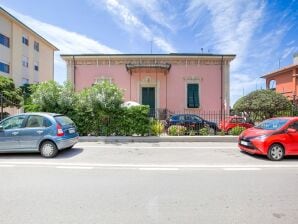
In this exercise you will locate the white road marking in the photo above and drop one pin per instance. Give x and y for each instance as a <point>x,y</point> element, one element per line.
<point>75,167</point>
<point>157,147</point>
<point>137,166</point>
<point>159,168</point>
<point>7,165</point>
<point>241,168</point>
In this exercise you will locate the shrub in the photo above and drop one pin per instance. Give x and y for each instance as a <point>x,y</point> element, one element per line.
<point>237,130</point>
<point>222,133</point>
<point>127,121</point>
<point>204,131</point>
<point>176,130</point>
<point>191,132</point>
<point>157,127</point>
<point>95,110</point>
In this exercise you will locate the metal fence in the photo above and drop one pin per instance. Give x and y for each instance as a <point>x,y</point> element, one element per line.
<point>219,117</point>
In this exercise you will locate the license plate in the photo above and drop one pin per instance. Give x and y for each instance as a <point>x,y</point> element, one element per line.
<point>71,130</point>
<point>244,143</point>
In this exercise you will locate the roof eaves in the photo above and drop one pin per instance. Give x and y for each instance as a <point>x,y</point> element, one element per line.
<point>232,56</point>
<point>277,72</point>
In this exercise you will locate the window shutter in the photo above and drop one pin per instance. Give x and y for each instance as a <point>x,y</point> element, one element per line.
<point>193,95</point>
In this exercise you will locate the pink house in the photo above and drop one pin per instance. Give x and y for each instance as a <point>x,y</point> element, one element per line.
<point>181,83</point>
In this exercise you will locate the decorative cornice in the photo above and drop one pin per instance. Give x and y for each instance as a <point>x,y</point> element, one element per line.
<point>161,63</point>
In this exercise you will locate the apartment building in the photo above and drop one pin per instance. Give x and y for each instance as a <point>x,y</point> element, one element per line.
<point>25,56</point>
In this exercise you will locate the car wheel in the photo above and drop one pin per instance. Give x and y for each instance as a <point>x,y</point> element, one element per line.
<point>48,149</point>
<point>229,132</point>
<point>276,152</point>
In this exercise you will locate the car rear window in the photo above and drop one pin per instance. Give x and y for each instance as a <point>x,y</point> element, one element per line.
<point>63,120</point>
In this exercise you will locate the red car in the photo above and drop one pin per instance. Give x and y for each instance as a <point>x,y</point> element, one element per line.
<point>232,122</point>
<point>274,137</point>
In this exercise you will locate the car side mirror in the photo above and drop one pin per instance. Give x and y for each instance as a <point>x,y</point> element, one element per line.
<point>1,128</point>
<point>291,130</point>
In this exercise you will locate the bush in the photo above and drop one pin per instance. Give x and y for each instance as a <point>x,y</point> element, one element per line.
<point>176,130</point>
<point>95,110</point>
<point>204,131</point>
<point>126,122</point>
<point>157,127</point>
<point>237,130</point>
<point>132,121</point>
<point>191,132</point>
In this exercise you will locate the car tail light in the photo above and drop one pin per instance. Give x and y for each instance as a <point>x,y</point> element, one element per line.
<point>59,130</point>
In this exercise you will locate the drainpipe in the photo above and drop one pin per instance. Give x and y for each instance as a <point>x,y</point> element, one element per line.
<point>74,72</point>
<point>221,86</point>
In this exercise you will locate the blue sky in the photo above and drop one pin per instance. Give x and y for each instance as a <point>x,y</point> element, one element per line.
<point>263,34</point>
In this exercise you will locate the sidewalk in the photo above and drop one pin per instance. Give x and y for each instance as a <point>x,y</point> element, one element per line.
<point>159,139</point>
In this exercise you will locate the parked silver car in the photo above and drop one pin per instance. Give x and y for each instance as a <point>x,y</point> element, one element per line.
<point>46,133</point>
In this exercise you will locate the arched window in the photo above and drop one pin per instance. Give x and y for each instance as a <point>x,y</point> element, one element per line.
<point>272,84</point>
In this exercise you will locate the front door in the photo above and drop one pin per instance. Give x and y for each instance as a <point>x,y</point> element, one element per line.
<point>148,98</point>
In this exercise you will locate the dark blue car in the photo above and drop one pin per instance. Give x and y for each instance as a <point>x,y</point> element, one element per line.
<point>37,132</point>
<point>192,121</point>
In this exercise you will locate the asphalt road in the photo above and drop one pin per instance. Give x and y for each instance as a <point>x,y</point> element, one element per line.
<point>148,183</point>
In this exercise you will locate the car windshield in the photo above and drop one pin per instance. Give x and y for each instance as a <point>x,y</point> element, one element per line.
<point>272,124</point>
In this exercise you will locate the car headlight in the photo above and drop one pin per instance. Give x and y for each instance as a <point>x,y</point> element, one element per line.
<point>261,137</point>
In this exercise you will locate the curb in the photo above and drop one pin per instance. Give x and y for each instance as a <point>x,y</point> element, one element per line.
<point>150,139</point>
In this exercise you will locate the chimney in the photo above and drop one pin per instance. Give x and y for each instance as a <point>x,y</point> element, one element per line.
<point>295,58</point>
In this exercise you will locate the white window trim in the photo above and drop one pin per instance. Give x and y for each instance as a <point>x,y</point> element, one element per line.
<point>99,80</point>
<point>148,82</point>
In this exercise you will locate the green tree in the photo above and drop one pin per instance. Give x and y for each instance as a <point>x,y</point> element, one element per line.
<point>97,106</point>
<point>27,90</point>
<point>12,95</point>
<point>263,104</point>
<point>105,97</point>
<point>90,109</point>
<point>52,97</point>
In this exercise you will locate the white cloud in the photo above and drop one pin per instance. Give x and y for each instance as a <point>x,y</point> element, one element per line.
<point>230,25</point>
<point>129,21</point>
<point>161,12</point>
<point>288,51</point>
<point>66,41</point>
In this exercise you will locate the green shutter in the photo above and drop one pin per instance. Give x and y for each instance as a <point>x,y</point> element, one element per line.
<point>193,95</point>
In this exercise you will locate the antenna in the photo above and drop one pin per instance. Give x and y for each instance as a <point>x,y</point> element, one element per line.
<point>151,42</point>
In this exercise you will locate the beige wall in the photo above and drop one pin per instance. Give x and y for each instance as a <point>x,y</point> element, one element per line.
<point>5,53</point>
<point>17,51</point>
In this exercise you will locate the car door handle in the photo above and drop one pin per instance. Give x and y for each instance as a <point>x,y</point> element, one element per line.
<point>39,132</point>
<point>15,133</point>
